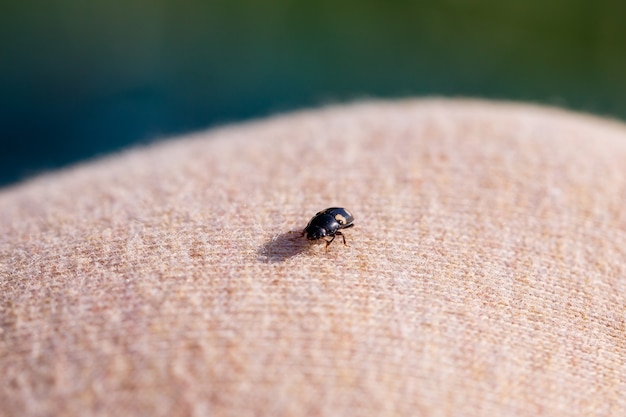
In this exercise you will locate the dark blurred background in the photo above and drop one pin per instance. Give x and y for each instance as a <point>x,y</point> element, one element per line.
<point>82,78</point>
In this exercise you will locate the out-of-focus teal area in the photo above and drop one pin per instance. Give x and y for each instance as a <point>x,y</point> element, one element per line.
<point>83,78</point>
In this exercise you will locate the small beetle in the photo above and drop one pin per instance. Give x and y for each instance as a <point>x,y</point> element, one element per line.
<point>327,223</point>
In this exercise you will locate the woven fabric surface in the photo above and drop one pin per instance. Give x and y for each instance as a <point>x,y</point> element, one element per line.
<point>485,274</point>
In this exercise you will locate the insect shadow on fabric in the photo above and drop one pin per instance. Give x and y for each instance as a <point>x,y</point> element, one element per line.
<point>282,247</point>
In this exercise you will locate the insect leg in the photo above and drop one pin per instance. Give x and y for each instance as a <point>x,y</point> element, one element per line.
<point>328,242</point>
<point>343,236</point>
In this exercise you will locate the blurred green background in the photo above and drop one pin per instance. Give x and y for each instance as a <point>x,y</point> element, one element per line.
<point>82,78</point>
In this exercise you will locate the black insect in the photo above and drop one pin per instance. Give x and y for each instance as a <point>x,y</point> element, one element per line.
<point>327,223</point>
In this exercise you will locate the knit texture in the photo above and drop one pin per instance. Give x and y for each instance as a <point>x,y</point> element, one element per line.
<point>485,274</point>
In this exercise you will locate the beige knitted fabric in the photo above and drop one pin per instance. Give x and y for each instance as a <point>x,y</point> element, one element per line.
<point>485,275</point>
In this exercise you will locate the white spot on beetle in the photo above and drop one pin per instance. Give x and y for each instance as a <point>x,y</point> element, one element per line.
<point>340,219</point>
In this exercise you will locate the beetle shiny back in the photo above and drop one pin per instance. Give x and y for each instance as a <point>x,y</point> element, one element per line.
<point>340,214</point>
<point>327,223</point>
